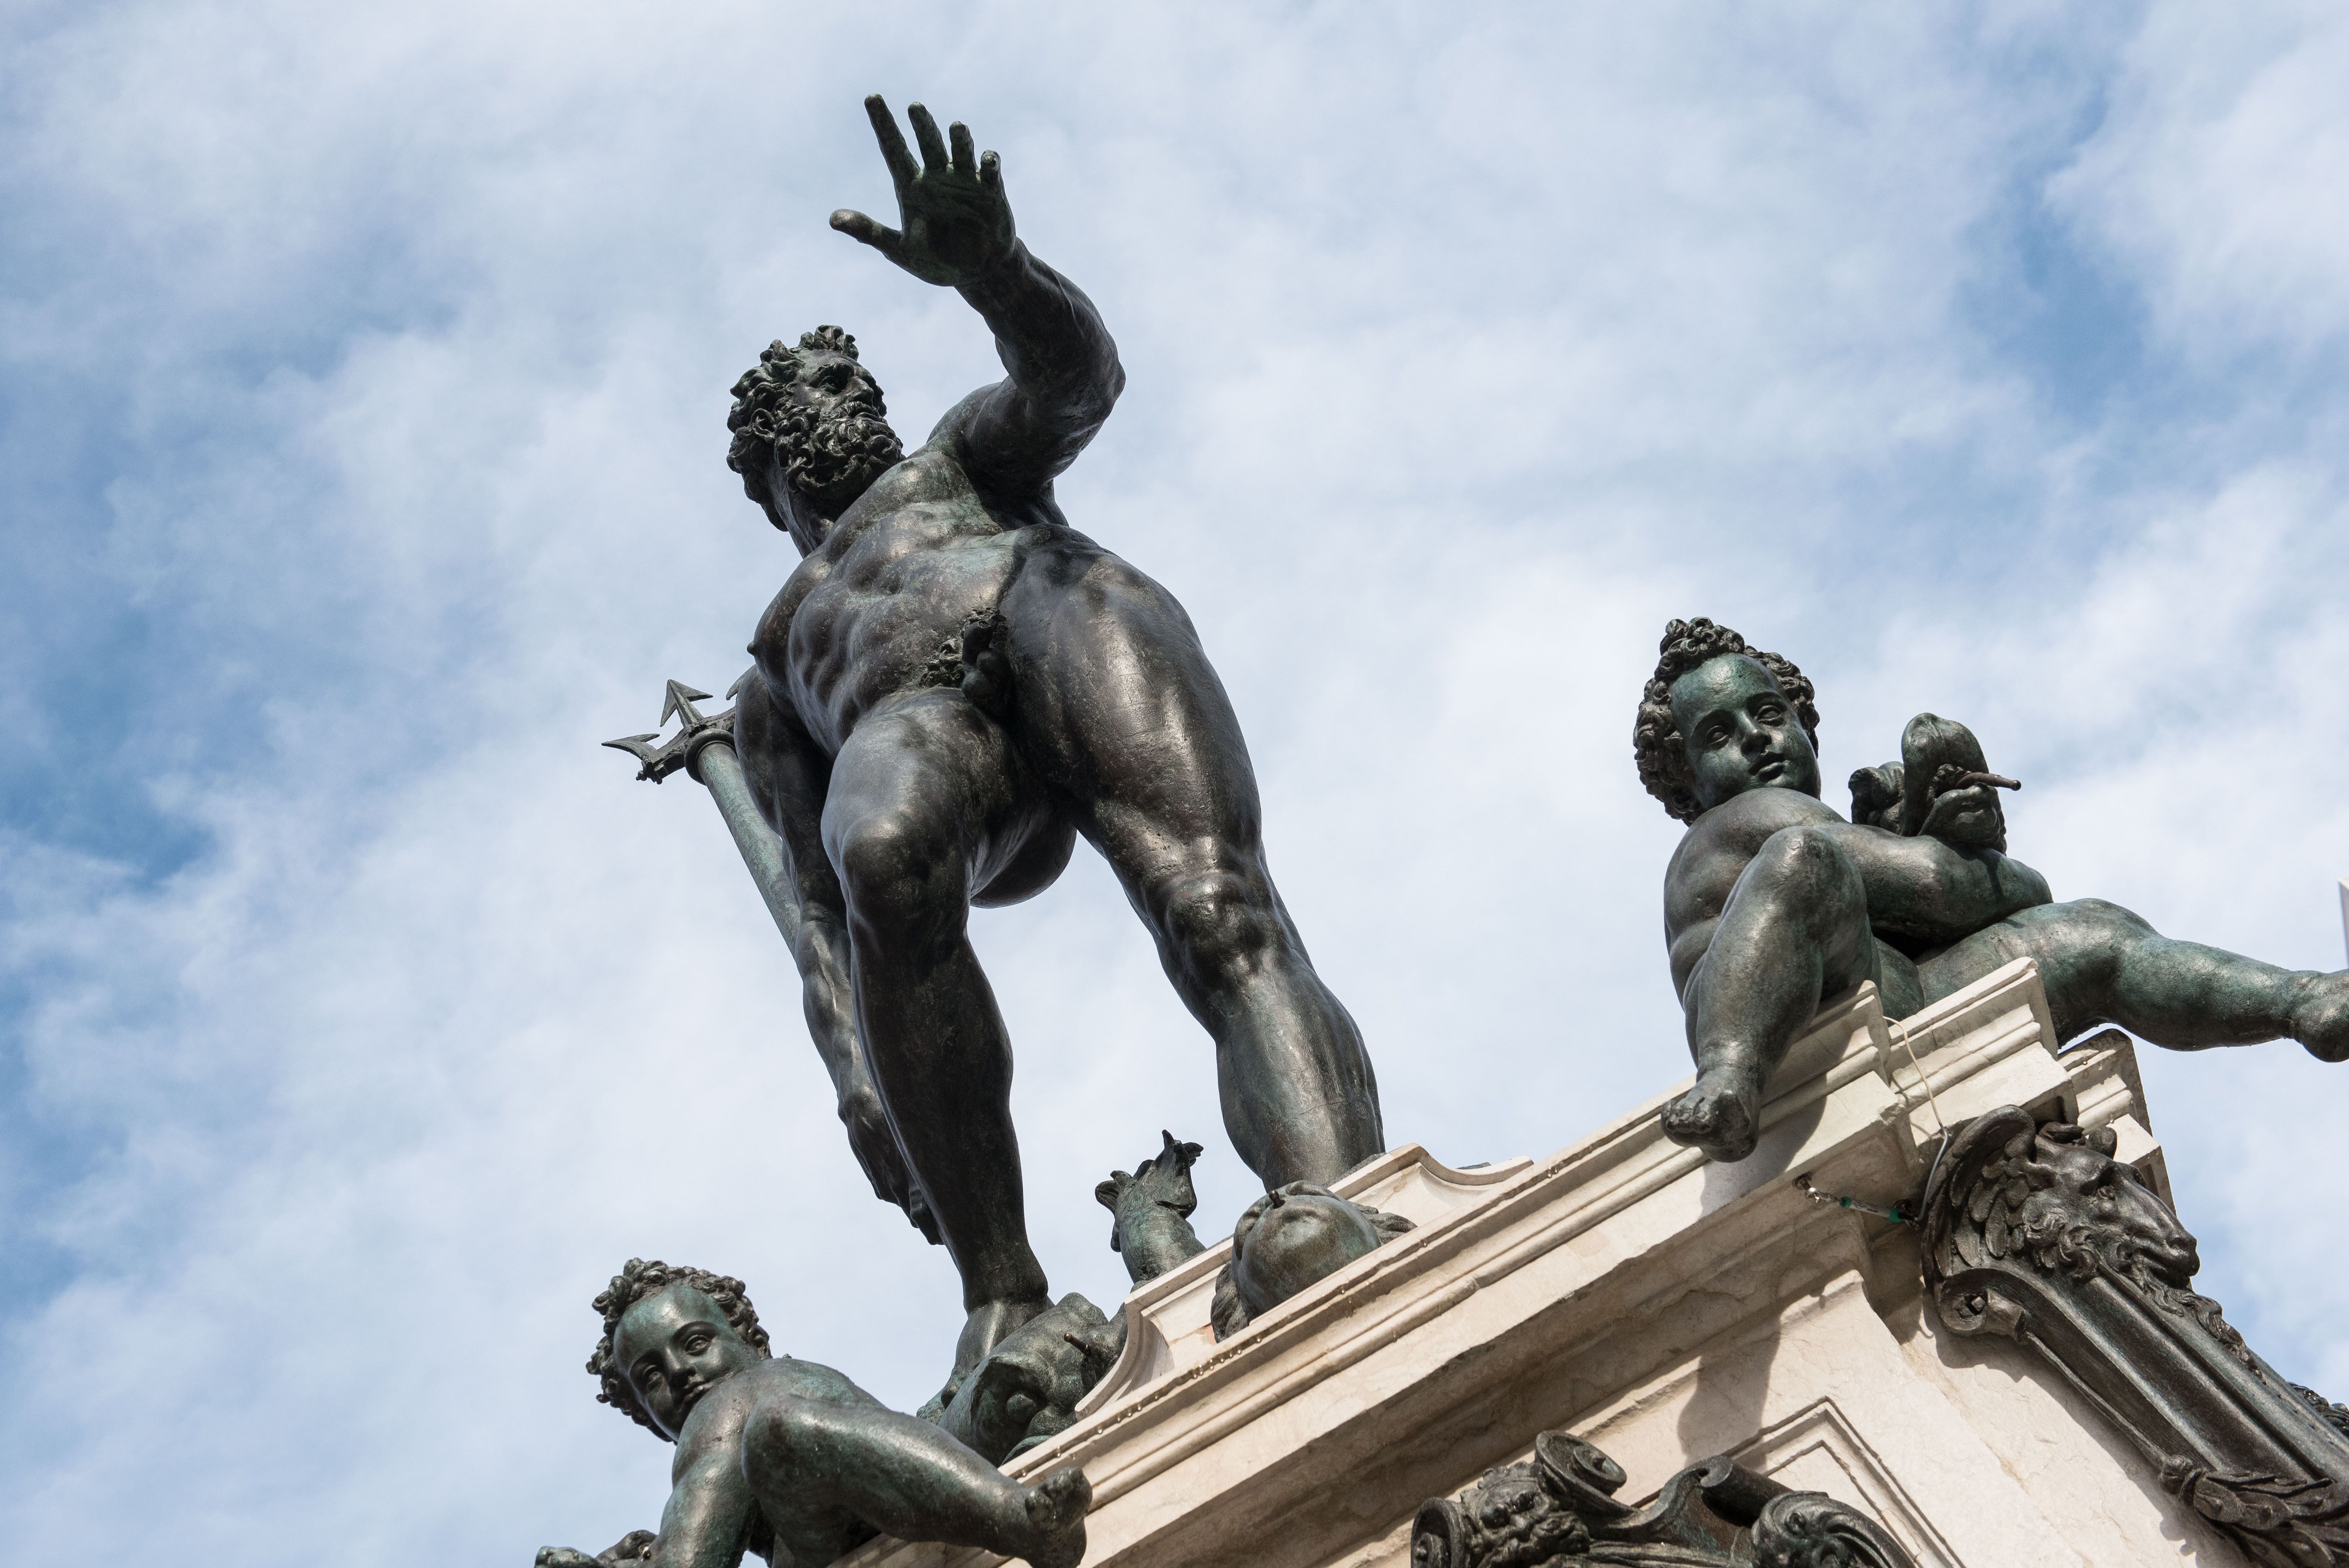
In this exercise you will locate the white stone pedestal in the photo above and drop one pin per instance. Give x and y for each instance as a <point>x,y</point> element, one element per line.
<point>1661,1307</point>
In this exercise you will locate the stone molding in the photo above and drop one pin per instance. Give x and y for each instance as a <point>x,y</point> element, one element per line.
<point>2031,1235</point>
<point>1541,1294</point>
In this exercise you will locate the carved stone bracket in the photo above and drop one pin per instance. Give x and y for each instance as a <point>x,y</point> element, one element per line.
<point>2040,1235</point>
<point>1561,1507</point>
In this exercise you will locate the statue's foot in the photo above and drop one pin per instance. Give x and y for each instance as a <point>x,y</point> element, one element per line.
<point>985,1327</point>
<point>2320,1022</point>
<point>1056,1512</point>
<point>1720,1115</point>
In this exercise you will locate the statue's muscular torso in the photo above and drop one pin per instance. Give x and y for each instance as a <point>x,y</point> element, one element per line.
<point>878,608</point>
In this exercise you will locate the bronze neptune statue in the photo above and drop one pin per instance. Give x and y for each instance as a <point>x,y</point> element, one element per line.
<point>1773,901</point>
<point>951,687</point>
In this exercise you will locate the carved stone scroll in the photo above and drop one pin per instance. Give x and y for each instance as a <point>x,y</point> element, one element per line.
<point>2040,1235</point>
<point>1561,1509</point>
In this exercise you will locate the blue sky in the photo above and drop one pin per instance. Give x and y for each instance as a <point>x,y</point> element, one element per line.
<point>362,396</point>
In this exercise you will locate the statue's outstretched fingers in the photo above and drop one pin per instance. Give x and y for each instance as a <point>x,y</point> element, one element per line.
<point>894,150</point>
<point>879,236</point>
<point>990,171</point>
<point>926,136</point>
<point>958,135</point>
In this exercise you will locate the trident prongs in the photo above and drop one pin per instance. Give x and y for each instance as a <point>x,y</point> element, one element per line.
<point>694,727</point>
<point>679,702</point>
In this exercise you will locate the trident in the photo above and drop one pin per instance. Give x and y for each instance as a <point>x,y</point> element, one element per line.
<point>704,747</point>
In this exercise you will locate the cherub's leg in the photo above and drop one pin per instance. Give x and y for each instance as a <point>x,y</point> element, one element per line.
<point>2101,964</point>
<point>1119,707</point>
<point>1793,932</point>
<point>808,1461</point>
<point>921,804</point>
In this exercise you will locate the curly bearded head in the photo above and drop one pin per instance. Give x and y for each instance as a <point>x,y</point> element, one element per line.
<point>812,418</point>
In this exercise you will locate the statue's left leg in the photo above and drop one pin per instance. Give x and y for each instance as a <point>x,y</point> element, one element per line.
<point>2104,964</point>
<point>1117,707</point>
<point>817,1466</point>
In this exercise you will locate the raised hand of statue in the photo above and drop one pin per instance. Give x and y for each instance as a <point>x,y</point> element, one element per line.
<point>955,223</point>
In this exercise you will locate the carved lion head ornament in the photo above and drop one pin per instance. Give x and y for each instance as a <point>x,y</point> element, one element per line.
<point>2061,1196</point>
<point>2057,1198</point>
<point>2058,1195</point>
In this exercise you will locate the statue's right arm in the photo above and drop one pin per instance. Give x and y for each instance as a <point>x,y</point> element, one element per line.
<point>708,1520</point>
<point>789,775</point>
<point>1923,890</point>
<point>1919,889</point>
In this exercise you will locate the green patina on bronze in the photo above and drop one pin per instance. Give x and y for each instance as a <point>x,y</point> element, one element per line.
<point>1773,901</point>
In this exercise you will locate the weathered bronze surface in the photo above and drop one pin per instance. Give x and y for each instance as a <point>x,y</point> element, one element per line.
<point>1151,1211</point>
<point>790,1461</point>
<point>1028,1386</point>
<point>951,688</point>
<point>1561,1507</point>
<point>1294,1236</point>
<point>2039,1234</point>
<point>1773,901</point>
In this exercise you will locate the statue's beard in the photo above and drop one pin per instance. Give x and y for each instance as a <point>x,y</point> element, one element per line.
<point>831,460</point>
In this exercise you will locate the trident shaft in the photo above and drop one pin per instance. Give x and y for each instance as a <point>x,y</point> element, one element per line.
<point>703,747</point>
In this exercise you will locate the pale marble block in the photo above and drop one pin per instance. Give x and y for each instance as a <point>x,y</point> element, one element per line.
<point>1662,1308</point>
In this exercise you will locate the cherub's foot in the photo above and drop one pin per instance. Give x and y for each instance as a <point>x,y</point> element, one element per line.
<point>1720,1115</point>
<point>1056,1512</point>
<point>2320,1022</point>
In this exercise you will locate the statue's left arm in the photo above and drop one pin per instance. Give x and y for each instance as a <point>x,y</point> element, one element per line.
<point>1064,376</point>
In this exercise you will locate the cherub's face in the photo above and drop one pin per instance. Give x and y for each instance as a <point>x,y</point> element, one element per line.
<point>1293,1237</point>
<point>674,1346</point>
<point>1741,732</point>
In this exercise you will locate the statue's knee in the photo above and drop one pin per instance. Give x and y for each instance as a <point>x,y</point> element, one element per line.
<point>2102,912</point>
<point>1220,924</point>
<point>1807,854</point>
<point>894,867</point>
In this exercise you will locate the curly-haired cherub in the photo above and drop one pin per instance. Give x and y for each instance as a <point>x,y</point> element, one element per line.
<point>1773,901</point>
<point>788,1459</point>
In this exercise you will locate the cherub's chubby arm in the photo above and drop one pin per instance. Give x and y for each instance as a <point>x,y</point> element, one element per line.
<point>707,1522</point>
<point>956,231</point>
<point>1923,890</point>
<point>1948,882</point>
<point>789,775</point>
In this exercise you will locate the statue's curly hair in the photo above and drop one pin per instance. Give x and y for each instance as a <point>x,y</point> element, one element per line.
<point>763,419</point>
<point>1655,740</point>
<point>640,1279</point>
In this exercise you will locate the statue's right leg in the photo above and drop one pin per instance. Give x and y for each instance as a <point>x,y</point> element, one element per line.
<point>810,1462</point>
<point>923,805</point>
<point>1795,931</point>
